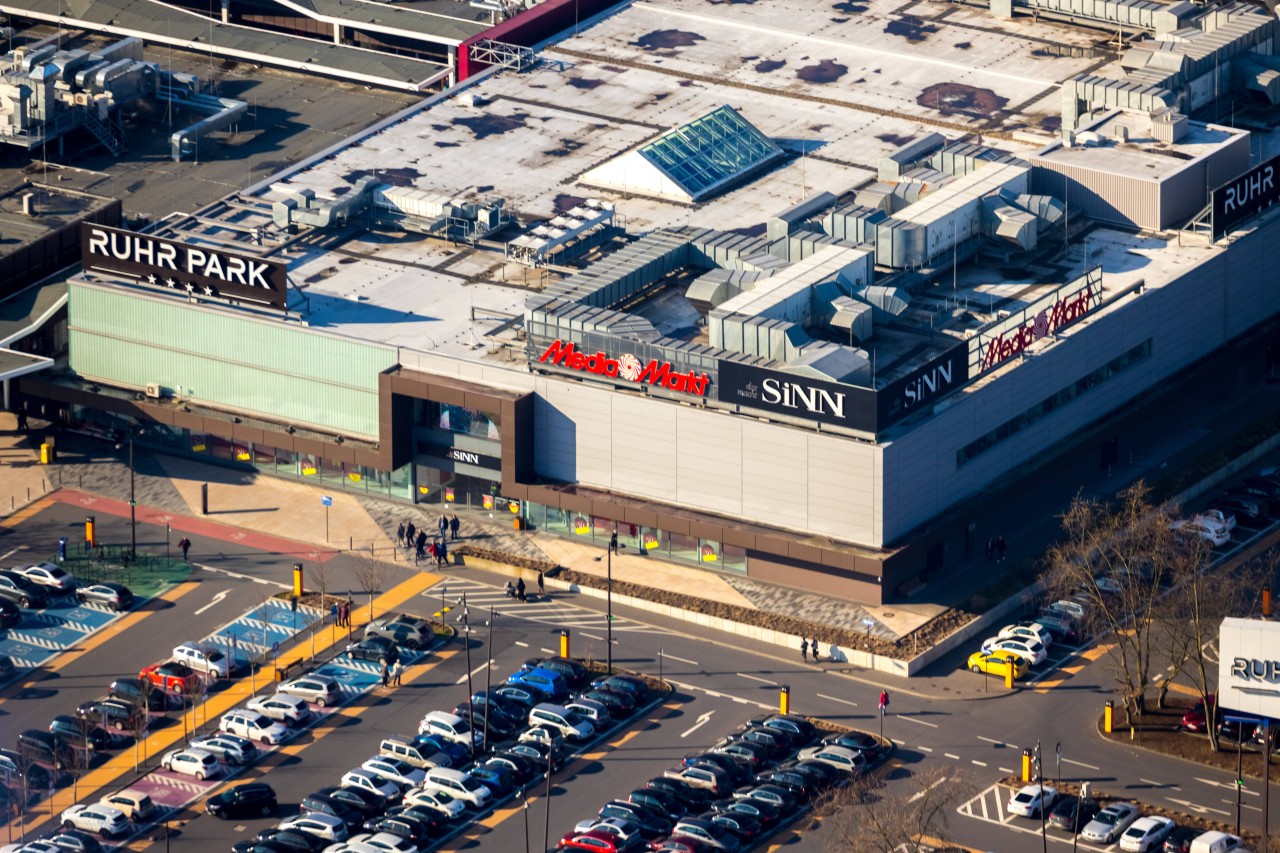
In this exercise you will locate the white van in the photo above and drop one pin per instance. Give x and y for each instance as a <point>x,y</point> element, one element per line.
<point>457,784</point>
<point>410,751</point>
<point>451,727</point>
<point>1217,842</point>
<point>558,718</point>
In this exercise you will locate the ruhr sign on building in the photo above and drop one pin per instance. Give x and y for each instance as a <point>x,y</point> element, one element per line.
<point>1246,196</point>
<point>1249,667</point>
<point>203,271</point>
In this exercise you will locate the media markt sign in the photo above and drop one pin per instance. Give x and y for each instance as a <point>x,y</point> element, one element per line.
<point>1249,666</point>
<point>188,269</point>
<point>627,367</point>
<point>1045,316</point>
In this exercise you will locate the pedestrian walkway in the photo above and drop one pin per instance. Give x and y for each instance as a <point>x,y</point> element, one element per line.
<point>546,609</point>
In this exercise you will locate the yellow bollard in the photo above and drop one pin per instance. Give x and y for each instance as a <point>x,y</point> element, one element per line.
<point>1108,712</point>
<point>297,580</point>
<point>89,524</point>
<point>564,643</point>
<point>1008,676</point>
<point>784,699</point>
<point>1266,602</point>
<point>1026,765</point>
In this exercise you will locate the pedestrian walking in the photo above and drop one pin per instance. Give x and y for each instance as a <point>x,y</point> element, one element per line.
<point>520,590</point>
<point>400,534</point>
<point>613,541</point>
<point>422,543</point>
<point>22,421</point>
<point>431,550</point>
<point>453,526</point>
<point>346,616</point>
<point>541,587</point>
<point>804,648</point>
<point>184,544</point>
<point>813,644</point>
<point>409,535</point>
<point>335,614</point>
<point>442,554</point>
<point>342,615</point>
<point>444,525</point>
<point>386,675</point>
<point>396,669</point>
<point>1000,547</point>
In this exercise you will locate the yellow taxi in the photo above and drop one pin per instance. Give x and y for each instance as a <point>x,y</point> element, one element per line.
<point>998,663</point>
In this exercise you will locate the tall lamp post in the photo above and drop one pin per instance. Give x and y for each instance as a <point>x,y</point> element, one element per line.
<point>471,708</point>
<point>613,543</point>
<point>488,674</point>
<point>133,503</point>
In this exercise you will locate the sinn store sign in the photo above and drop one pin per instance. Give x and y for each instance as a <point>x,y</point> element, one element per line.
<point>1041,318</point>
<point>193,270</point>
<point>1246,196</point>
<point>796,396</point>
<point>627,367</point>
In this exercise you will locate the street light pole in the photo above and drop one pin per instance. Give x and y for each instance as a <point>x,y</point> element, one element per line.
<point>488,673</point>
<point>133,506</point>
<point>609,610</point>
<point>471,708</point>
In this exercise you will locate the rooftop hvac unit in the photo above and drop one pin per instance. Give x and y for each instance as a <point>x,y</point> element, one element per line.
<point>153,390</point>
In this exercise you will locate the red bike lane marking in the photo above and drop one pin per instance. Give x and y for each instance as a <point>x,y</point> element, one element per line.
<point>196,526</point>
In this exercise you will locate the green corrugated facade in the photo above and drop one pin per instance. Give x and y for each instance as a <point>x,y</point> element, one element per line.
<point>282,371</point>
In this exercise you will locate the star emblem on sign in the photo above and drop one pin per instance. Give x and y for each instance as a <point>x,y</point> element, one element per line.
<point>208,291</point>
<point>170,282</point>
<point>191,288</point>
<point>151,279</point>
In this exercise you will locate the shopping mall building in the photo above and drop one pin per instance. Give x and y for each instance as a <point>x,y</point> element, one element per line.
<point>534,299</point>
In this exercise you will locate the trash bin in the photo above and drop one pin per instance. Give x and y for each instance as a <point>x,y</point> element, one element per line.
<point>518,523</point>
<point>46,453</point>
<point>279,674</point>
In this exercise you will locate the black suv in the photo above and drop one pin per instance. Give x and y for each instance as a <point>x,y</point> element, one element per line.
<point>21,591</point>
<point>135,691</point>
<point>575,674</point>
<point>252,799</point>
<point>343,811</point>
<point>37,745</point>
<point>119,714</point>
<point>16,768</point>
<point>10,613</point>
<point>78,732</point>
<point>407,631</point>
<point>378,649</point>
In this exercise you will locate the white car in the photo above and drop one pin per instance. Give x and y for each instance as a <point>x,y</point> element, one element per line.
<point>395,770</point>
<point>627,832</point>
<point>374,842</point>
<point>1146,834</point>
<point>323,826</point>
<point>202,658</point>
<point>363,780</point>
<point>839,757</point>
<point>1213,533</point>
<point>33,847</point>
<point>1108,586</point>
<point>1030,800</point>
<point>435,800</point>
<point>229,748</point>
<point>1110,823</point>
<point>107,821</point>
<point>1034,631</point>
<point>1216,516</point>
<point>283,708</point>
<point>254,726</point>
<point>191,762</point>
<point>1032,651</point>
<point>53,577</point>
<point>320,689</point>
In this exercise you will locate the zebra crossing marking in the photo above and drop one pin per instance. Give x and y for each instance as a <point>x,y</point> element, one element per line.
<point>541,609</point>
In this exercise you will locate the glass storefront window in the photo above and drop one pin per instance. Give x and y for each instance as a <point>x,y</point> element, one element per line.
<point>264,457</point>
<point>653,542</point>
<point>308,465</point>
<point>456,419</point>
<point>402,482</point>
<point>683,547</point>
<point>557,520</point>
<point>199,444</point>
<point>580,524</point>
<point>287,462</point>
<point>733,558</point>
<point>331,471</point>
<point>709,552</point>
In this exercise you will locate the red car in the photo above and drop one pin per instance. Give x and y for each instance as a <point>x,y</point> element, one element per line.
<point>1194,720</point>
<point>172,676</point>
<point>601,842</point>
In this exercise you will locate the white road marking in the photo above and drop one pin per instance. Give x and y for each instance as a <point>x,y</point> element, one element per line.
<point>1159,784</point>
<point>1242,805</point>
<point>548,651</point>
<point>718,695</point>
<point>918,794</point>
<point>1198,809</point>
<point>834,699</point>
<point>702,721</point>
<point>755,678</point>
<point>920,722</point>
<point>666,656</point>
<point>990,740</point>
<point>242,577</point>
<point>1079,764</point>
<point>949,755</point>
<point>1229,787</point>
<point>979,763</point>
<point>521,645</point>
<point>1004,769</point>
<point>924,749</point>
<point>12,551</point>
<point>592,636</point>
<point>480,668</point>
<point>215,600</point>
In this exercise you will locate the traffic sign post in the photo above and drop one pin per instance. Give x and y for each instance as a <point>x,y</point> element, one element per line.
<point>326,501</point>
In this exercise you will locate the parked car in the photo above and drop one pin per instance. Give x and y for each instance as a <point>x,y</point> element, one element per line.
<point>362,780</point>
<point>619,704</point>
<point>191,762</point>
<point>575,675</point>
<point>842,758</point>
<point>252,799</point>
<point>799,731</point>
<point>413,829</point>
<point>395,770</point>
<point>750,755</point>
<point>457,784</point>
<point>254,726</point>
<point>1234,731</point>
<point>1215,534</point>
<point>367,803</point>
<point>136,805</point>
<point>1110,823</point>
<point>326,804</point>
<point>1073,814</point>
<point>71,841</point>
<point>281,707</point>
<point>620,683</point>
<point>276,840</point>
<point>115,713</point>
<point>325,826</point>
<point>1217,842</point>
<point>172,676</point>
<point>650,825</point>
<point>228,748</point>
<point>1196,719</point>
<point>1251,508</point>
<point>767,814</point>
<point>10,613</point>
<point>23,592</point>
<point>15,767</point>
<point>79,733</point>
<point>1179,841</point>
<point>436,800</point>
<point>864,743</point>
<point>1032,651</point>
<point>49,575</point>
<point>138,691</point>
<point>594,711</point>
<point>998,663</point>
<point>103,820</point>
<point>499,725</point>
<point>317,688</point>
<point>1223,518</point>
<point>1146,834</point>
<point>38,745</point>
<point>496,778</point>
<point>378,649</point>
<point>547,684</point>
<point>407,632</point>
<point>451,727</point>
<point>203,658</point>
<point>114,595</point>
<point>1026,631</point>
<point>595,840</point>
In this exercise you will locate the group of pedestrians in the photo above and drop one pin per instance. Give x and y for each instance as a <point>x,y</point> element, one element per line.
<point>341,613</point>
<point>391,674</point>
<point>807,646</point>
<point>520,592</point>
<point>425,547</point>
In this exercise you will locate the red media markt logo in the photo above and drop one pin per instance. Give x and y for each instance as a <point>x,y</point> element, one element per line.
<point>627,367</point>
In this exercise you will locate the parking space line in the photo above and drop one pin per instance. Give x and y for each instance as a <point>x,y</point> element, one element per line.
<point>1079,764</point>
<point>953,757</point>
<point>1004,770</point>
<point>685,660</point>
<point>755,678</point>
<point>924,749</point>
<point>998,743</point>
<point>979,763</point>
<point>834,699</point>
<point>913,719</point>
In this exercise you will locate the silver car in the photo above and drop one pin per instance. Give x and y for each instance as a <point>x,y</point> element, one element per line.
<point>228,748</point>
<point>1110,823</point>
<point>321,689</point>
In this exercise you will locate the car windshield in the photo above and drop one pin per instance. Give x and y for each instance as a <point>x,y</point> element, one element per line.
<point>1107,816</point>
<point>1024,798</point>
<point>1135,832</point>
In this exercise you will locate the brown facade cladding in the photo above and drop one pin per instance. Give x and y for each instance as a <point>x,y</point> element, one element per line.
<point>773,555</point>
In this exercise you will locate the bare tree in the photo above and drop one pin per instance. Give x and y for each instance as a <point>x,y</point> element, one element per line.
<point>867,816</point>
<point>1119,557</point>
<point>321,576</point>
<point>371,575</point>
